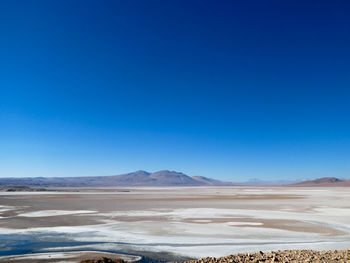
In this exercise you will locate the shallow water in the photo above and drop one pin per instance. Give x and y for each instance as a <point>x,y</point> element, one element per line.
<point>12,245</point>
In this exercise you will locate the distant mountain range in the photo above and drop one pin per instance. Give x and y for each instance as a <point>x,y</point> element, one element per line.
<point>157,179</point>
<point>325,181</point>
<point>138,178</point>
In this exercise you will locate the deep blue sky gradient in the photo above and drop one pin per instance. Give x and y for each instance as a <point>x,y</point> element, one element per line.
<point>226,89</point>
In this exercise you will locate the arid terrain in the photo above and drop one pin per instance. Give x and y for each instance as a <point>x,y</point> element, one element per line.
<point>174,223</point>
<point>291,256</point>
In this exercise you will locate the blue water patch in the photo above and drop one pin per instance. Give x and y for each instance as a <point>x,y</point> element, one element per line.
<point>16,244</point>
<point>19,244</point>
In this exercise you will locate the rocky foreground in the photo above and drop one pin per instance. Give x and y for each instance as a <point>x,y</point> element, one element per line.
<point>282,256</point>
<point>291,256</point>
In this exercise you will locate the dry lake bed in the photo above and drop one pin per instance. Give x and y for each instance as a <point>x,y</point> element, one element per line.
<point>173,223</point>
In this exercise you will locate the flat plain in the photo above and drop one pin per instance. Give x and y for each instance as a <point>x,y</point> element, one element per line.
<point>174,223</point>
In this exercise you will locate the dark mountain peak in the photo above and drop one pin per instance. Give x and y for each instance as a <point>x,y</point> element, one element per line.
<point>327,180</point>
<point>173,178</point>
<point>140,172</point>
<point>167,173</point>
<point>324,181</point>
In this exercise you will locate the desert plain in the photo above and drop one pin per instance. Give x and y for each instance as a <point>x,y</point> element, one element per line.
<point>172,224</point>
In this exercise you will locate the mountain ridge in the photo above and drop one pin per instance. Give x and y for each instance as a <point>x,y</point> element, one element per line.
<point>138,178</point>
<point>160,178</point>
<point>323,182</point>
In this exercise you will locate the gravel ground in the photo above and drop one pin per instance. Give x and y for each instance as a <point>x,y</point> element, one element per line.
<point>291,256</point>
<point>282,256</point>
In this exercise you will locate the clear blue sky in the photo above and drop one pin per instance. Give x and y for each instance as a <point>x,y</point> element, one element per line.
<point>226,89</point>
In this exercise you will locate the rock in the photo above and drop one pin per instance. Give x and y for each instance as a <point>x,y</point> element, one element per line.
<point>292,256</point>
